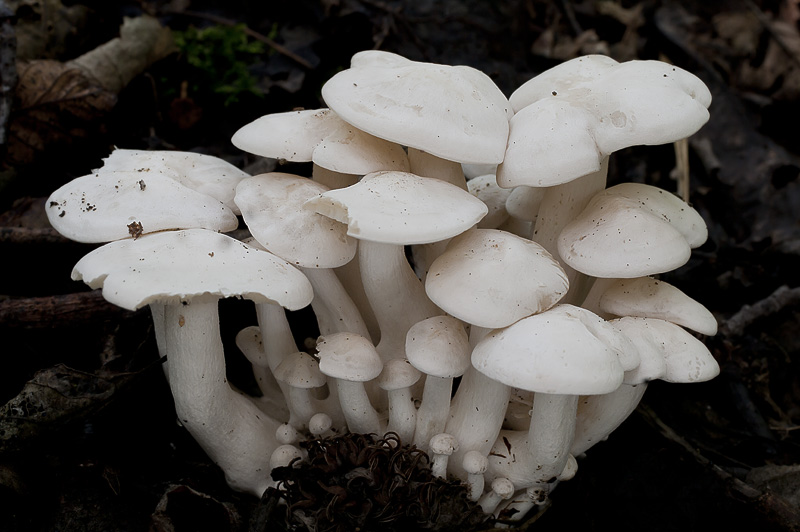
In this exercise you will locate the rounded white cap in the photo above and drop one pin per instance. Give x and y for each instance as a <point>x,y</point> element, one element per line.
<point>174,266</point>
<point>646,297</point>
<point>685,358</point>
<point>556,352</point>
<point>398,373</point>
<point>492,278</point>
<point>454,112</point>
<point>300,370</point>
<point>348,356</point>
<point>485,188</point>
<point>559,137</point>
<point>272,207</point>
<point>438,346</point>
<point>204,173</point>
<point>474,462</point>
<point>616,237</point>
<point>401,208</point>
<point>444,443</point>
<point>107,206</point>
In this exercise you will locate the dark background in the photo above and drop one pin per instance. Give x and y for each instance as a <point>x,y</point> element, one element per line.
<point>90,442</point>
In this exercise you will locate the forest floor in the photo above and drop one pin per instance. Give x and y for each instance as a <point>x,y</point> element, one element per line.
<point>88,439</point>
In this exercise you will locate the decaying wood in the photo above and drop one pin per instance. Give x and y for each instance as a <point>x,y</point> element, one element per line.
<point>57,311</point>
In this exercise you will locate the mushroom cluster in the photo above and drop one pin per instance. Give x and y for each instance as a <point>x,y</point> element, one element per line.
<point>502,323</point>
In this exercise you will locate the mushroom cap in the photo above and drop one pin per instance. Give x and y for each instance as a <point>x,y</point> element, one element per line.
<point>174,266</point>
<point>558,351</point>
<point>474,462</point>
<point>398,373</point>
<point>615,236</point>
<point>503,487</point>
<point>101,207</point>
<point>438,346</point>
<point>563,129</point>
<point>291,136</point>
<point>319,423</point>
<point>300,370</point>
<point>284,455</point>
<point>646,297</point>
<point>492,278</point>
<point>666,206</point>
<point>560,78</point>
<point>320,136</point>
<point>204,173</point>
<point>685,358</point>
<point>348,356</point>
<point>349,150</point>
<point>523,202</point>
<point>485,188</point>
<point>272,207</point>
<point>400,208</point>
<point>444,443</point>
<point>454,112</point>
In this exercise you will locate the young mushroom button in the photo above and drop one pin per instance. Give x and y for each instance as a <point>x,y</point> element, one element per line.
<point>351,360</point>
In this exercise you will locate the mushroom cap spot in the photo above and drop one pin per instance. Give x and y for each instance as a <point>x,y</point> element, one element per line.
<point>174,266</point>
<point>204,173</point>
<point>291,136</point>
<point>400,208</point>
<point>454,112</point>
<point>683,357</point>
<point>99,207</point>
<point>272,207</point>
<point>492,278</point>
<point>398,373</point>
<point>300,370</point>
<point>615,237</point>
<point>553,352</point>
<point>646,297</point>
<point>439,346</point>
<point>348,356</point>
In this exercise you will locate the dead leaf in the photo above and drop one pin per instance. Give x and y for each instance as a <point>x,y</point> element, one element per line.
<point>45,28</point>
<point>54,398</point>
<point>57,105</point>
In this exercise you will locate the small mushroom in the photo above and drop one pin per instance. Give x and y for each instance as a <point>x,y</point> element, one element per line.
<point>442,446</point>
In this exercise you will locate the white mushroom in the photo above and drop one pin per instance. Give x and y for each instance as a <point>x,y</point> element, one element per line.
<point>188,272</point>
<point>442,446</point>
<point>351,360</point>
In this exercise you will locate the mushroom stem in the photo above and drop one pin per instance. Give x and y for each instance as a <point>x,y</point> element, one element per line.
<point>402,414</point>
<point>396,295</point>
<point>361,417</point>
<point>559,206</point>
<point>231,429</point>
<point>333,307</point>
<point>426,164</point>
<point>549,439</point>
<point>502,489</point>
<point>476,411</point>
<point>434,409</point>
